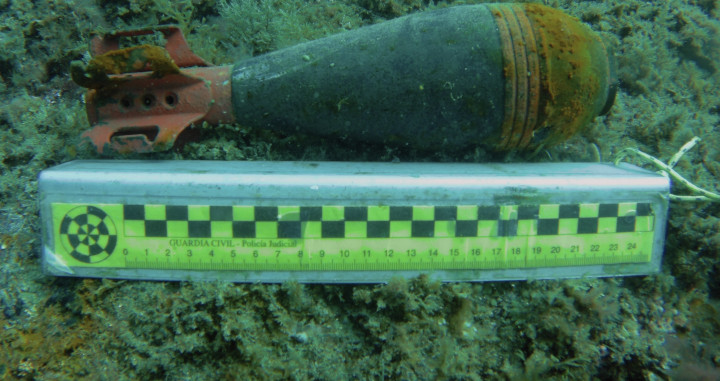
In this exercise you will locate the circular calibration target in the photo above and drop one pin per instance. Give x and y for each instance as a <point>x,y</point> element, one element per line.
<point>88,234</point>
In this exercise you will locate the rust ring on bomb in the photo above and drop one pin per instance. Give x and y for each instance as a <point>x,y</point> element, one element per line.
<point>509,74</point>
<point>533,75</point>
<point>522,75</point>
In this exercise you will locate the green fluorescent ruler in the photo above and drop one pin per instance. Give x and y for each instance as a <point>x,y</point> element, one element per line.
<point>350,222</point>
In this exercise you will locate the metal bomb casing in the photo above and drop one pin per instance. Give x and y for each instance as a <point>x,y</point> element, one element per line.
<point>496,76</point>
<point>500,75</point>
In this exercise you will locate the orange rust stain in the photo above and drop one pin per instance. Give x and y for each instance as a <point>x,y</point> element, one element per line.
<point>49,345</point>
<point>572,60</point>
<point>508,68</point>
<point>134,59</point>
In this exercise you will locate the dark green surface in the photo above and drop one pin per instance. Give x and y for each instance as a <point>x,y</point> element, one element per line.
<point>431,81</point>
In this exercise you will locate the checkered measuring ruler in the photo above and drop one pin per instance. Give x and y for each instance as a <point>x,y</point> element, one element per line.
<point>376,237</point>
<point>362,239</point>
